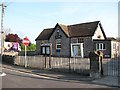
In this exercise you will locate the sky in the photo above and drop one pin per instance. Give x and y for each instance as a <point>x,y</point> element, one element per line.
<point>29,18</point>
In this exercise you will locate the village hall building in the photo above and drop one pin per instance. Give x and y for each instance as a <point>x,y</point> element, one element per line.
<point>76,40</point>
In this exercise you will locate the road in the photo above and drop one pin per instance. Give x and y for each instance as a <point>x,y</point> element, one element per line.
<point>17,79</point>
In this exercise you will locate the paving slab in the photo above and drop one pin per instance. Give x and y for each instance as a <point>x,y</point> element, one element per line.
<point>108,80</point>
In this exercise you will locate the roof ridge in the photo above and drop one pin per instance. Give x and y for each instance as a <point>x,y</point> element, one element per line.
<point>83,23</point>
<point>62,24</point>
<point>79,23</point>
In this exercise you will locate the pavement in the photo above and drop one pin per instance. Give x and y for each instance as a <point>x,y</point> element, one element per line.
<point>71,77</point>
<point>108,80</point>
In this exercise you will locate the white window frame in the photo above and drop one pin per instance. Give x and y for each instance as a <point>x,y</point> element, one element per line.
<point>81,47</point>
<point>57,44</point>
<point>98,46</point>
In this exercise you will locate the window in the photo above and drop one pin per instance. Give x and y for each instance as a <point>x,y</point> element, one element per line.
<point>80,40</point>
<point>74,40</point>
<point>58,43</point>
<point>100,46</point>
<point>58,32</point>
<point>58,36</point>
<point>45,50</point>
<point>77,50</point>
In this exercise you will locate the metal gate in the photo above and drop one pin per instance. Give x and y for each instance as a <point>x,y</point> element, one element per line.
<point>111,67</point>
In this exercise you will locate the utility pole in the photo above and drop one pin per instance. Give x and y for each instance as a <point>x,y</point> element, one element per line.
<point>2,30</point>
<point>2,27</point>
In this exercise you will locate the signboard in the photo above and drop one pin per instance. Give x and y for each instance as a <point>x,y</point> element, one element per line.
<point>26,41</point>
<point>15,46</point>
<point>11,46</point>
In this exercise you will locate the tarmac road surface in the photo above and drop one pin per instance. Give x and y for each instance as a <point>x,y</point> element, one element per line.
<point>17,79</point>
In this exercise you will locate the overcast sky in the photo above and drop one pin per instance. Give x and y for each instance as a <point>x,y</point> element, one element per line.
<point>28,18</point>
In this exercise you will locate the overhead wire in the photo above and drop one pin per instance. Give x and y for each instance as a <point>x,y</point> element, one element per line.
<point>7,3</point>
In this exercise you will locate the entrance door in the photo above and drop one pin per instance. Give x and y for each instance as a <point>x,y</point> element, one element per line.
<point>77,50</point>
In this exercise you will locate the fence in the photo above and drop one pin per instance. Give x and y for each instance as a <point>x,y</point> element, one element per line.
<point>111,67</point>
<point>77,65</point>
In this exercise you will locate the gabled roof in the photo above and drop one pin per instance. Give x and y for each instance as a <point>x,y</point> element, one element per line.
<point>83,30</point>
<point>45,34</point>
<point>65,29</point>
<point>77,30</point>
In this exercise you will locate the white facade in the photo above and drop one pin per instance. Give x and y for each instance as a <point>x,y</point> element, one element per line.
<point>114,48</point>
<point>98,34</point>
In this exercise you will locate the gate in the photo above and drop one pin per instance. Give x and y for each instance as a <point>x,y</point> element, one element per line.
<point>111,67</point>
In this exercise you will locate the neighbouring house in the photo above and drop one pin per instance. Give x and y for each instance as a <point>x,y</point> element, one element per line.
<point>110,47</point>
<point>70,40</point>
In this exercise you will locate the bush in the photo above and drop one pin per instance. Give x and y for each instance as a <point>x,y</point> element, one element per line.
<point>8,59</point>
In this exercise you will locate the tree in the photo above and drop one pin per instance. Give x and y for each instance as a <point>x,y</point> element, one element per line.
<point>13,38</point>
<point>30,47</point>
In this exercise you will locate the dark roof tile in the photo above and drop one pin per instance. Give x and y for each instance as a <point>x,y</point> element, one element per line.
<point>82,30</point>
<point>45,34</point>
<point>77,30</point>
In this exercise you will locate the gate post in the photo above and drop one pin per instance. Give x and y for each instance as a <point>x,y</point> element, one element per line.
<point>96,70</point>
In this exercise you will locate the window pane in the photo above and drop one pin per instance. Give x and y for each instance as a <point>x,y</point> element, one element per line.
<point>76,50</point>
<point>43,50</point>
<point>80,40</point>
<point>47,50</point>
<point>97,46</point>
<point>103,46</point>
<point>79,51</point>
<point>58,46</point>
